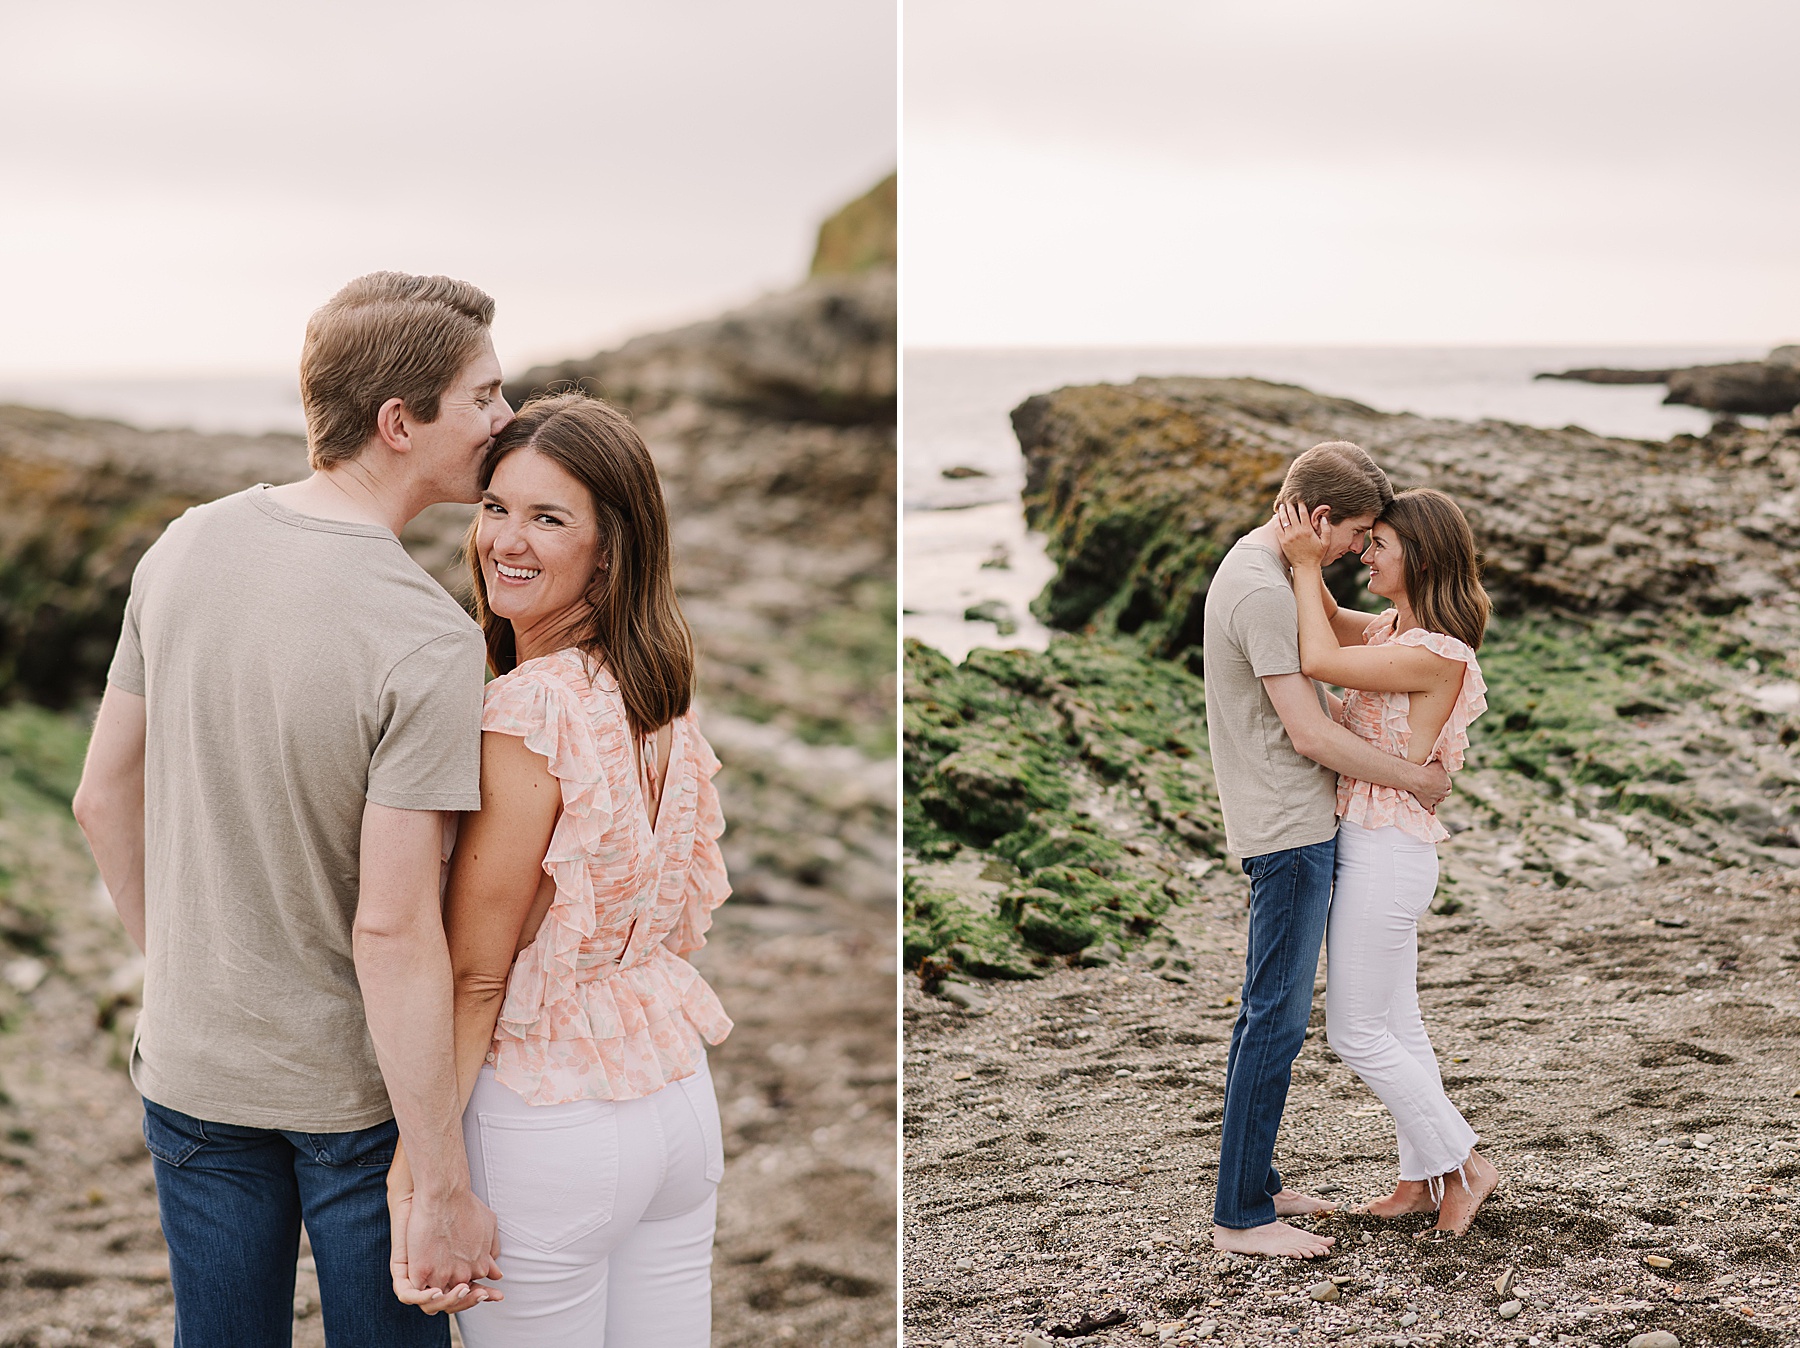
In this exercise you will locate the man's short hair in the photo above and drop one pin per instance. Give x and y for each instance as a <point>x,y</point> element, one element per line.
<point>385,335</point>
<point>1340,475</point>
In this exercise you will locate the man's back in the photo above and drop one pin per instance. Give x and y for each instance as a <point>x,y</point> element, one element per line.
<point>1272,797</point>
<point>293,668</point>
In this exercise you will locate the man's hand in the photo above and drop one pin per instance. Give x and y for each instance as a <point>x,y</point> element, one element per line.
<point>1433,787</point>
<point>431,1300</point>
<point>451,1241</point>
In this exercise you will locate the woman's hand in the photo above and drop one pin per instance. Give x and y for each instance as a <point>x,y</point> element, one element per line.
<point>1301,543</point>
<point>431,1300</point>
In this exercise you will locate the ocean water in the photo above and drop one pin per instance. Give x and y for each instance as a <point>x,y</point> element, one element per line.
<point>246,403</point>
<point>965,541</point>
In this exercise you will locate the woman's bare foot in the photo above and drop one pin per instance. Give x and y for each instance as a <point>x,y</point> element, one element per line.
<point>1273,1238</point>
<point>1288,1203</point>
<point>1408,1196</point>
<point>1465,1193</point>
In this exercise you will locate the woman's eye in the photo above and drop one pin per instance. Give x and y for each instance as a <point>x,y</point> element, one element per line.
<point>492,509</point>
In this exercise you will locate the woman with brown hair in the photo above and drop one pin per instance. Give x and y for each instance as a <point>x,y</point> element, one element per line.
<point>590,870</point>
<point>1412,686</point>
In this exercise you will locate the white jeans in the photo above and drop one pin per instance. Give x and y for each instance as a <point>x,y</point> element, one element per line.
<point>606,1215</point>
<point>1384,883</point>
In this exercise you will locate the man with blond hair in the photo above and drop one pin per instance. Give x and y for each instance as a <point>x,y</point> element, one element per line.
<point>1276,754</point>
<point>293,706</point>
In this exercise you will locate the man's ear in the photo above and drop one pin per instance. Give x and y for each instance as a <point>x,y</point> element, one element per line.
<point>1321,518</point>
<point>392,425</point>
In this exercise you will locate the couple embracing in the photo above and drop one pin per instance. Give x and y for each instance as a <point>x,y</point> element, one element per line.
<point>1330,804</point>
<point>446,1064</point>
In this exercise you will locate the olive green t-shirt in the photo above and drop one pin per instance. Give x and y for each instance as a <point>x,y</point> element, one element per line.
<point>1272,797</point>
<point>293,668</point>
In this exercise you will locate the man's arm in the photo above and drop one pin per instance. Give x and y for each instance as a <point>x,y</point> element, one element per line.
<point>109,803</point>
<point>403,965</point>
<point>1318,737</point>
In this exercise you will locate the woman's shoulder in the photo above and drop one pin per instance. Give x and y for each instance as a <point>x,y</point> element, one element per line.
<point>1438,643</point>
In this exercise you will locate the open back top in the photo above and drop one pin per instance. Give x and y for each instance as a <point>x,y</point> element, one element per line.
<point>601,1005</point>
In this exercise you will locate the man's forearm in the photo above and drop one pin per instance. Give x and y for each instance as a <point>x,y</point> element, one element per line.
<point>1349,755</point>
<point>405,976</point>
<point>113,823</point>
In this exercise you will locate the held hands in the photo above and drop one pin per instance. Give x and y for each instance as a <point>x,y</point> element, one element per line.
<point>1302,543</point>
<point>418,1288</point>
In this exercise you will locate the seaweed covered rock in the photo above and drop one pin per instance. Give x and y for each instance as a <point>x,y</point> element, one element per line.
<point>1055,801</point>
<point>1142,487</point>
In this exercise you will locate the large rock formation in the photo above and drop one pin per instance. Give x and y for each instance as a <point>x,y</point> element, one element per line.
<point>863,235</point>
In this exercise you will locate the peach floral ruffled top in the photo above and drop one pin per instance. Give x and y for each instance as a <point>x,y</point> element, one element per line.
<point>601,1005</point>
<point>1380,718</point>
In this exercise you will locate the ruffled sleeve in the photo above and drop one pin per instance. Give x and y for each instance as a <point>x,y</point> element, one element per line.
<point>536,704</point>
<point>707,886</point>
<point>1471,699</point>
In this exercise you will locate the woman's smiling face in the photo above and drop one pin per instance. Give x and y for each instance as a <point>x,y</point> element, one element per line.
<point>538,543</point>
<point>1385,556</point>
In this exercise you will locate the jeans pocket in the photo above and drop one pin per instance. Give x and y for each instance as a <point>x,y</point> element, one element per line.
<point>553,1181</point>
<point>171,1136</point>
<point>371,1147</point>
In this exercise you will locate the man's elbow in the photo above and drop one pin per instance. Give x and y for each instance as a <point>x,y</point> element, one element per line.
<point>94,807</point>
<point>1307,742</point>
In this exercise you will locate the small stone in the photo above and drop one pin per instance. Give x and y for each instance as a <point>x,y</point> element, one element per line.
<point>303,1306</point>
<point>1510,1310</point>
<point>962,1076</point>
<point>1324,1291</point>
<point>1367,1239</point>
<point>961,994</point>
<point>1659,1261</point>
<point>1671,922</point>
<point>25,974</point>
<point>1504,1283</point>
<point>1408,1320</point>
<point>1326,1190</point>
<point>1656,1338</point>
<point>1033,1341</point>
<point>1206,1329</point>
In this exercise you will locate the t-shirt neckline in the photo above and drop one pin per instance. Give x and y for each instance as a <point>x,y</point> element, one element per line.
<point>260,498</point>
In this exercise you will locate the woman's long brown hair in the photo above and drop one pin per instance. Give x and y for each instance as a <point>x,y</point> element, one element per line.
<point>1439,564</point>
<point>633,624</point>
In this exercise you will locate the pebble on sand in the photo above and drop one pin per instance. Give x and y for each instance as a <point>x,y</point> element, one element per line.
<point>1658,1261</point>
<point>1510,1311</point>
<point>1656,1338</point>
<point>1504,1283</point>
<point>1324,1291</point>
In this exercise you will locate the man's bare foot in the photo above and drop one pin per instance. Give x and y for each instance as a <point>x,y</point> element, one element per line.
<point>1462,1202</point>
<point>1408,1196</point>
<point>1291,1204</point>
<point>1273,1238</point>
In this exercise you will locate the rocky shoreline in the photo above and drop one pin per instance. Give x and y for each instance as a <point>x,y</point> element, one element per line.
<point>773,429</point>
<point>1072,916</point>
<point>1768,387</point>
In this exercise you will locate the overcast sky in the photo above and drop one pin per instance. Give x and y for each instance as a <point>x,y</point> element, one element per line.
<point>184,182</point>
<point>1321,171</point>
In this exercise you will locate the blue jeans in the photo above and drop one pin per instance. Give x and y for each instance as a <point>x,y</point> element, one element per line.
<point>1290,895</point>
<point>232,1200</point>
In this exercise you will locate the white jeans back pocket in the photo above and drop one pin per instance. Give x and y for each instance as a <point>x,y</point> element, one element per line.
<point>555,1181</point>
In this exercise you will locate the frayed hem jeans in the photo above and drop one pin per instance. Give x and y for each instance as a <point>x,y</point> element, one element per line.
<point>1384,883</point>
<point>606,1213</point>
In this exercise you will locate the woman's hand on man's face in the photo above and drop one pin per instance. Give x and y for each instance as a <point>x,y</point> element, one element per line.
<point>1301,544</point>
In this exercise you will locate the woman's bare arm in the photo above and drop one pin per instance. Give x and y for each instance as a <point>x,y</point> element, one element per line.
<point>495,875</point>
